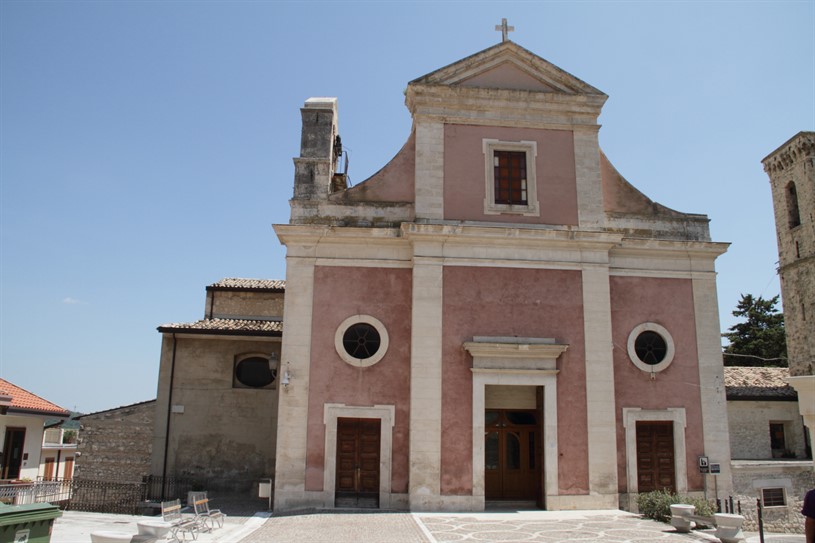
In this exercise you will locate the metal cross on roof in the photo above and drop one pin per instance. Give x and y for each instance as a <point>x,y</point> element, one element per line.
<point>504,29</point>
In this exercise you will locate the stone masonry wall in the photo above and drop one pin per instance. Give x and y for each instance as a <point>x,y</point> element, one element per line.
<point>115,445</point>
<point>750,428</point>
<point>245,305</point>
<point>794,162</point>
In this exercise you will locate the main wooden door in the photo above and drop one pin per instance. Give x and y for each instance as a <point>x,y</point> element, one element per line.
<point>357,463</point>
<point>512,454</point>
<point>655,456</point>
<point>13,453</point>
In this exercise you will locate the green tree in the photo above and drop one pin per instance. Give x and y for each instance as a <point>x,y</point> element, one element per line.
<point>759,340</point>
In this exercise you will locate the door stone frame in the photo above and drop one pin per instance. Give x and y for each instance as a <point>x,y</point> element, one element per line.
<point>632,415</point>
<point>386,415</point>
<point>516,362</point>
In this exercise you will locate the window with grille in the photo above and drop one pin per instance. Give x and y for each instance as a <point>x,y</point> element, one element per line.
<point>510,177</point>
<point>773,497</point>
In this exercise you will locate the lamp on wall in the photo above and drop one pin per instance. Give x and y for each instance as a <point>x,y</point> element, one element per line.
<point>286,377</point>
<point>273,362</point>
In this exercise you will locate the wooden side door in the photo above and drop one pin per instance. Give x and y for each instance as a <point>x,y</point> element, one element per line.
<point>357,482</point>
<point>655,456</point>
<point>48,469</point>
<point>68,472</point>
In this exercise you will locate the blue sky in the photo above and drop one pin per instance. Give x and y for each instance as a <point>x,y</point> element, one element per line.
<point>146,147</point>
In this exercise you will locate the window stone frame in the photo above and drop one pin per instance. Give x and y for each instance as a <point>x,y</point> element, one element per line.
<point>361,319</point>
<point>532,207</point>
<point>669,344</point>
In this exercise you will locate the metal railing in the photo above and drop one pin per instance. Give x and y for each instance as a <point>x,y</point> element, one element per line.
<point>52,491</point>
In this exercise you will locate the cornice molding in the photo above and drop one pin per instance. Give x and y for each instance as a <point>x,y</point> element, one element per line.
<point>795,150</point>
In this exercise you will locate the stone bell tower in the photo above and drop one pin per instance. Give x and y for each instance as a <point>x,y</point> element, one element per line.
<point>791,169</point>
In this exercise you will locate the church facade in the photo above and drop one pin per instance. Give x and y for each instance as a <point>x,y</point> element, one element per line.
<point>495,315</point>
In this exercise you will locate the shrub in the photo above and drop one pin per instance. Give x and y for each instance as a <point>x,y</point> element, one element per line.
<point>657,505</point>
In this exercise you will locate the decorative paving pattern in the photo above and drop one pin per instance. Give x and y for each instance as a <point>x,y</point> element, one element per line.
<point>526,528</point>
<point>340,528</point>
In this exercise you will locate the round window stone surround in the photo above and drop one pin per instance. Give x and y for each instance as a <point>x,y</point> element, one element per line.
<point>347,325</point>
<point>255,372</point>
<point>645,330</point>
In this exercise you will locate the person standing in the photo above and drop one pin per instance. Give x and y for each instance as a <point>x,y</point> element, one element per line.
<point>808,510</point>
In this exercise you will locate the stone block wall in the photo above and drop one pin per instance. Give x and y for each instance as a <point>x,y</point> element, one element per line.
<point>795,477</point>
<point>793,163</point>
<point>245,304</point>
<point>116,445</point>
<point>750,428</point>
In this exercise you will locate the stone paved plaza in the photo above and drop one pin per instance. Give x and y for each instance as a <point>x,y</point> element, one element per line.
<point>504,527</point>
<point>392,527</point>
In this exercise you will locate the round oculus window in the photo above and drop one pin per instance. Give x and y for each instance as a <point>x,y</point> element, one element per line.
<point>255,372</point>
<point>650,347</point>
<point>361,340</point>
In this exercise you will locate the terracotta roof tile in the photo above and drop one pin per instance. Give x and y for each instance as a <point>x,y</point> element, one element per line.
<point>757,383</point>
<point>23,400</point>
<point>226,327</point>
<point>248,284</point>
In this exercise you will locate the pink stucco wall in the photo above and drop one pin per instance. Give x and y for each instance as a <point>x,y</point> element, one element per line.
<point>512,302</point>
<point>464,183</point>
<point>395,182</point>
<point>340,292</point>
<point>669,303</point>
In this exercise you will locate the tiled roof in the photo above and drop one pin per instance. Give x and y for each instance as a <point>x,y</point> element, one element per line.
<point>234,283</point>
<point>749,383</point>
<point>232,327</point>
<point>24,401</point>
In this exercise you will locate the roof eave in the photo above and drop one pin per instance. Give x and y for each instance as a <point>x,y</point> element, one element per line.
<point>216,332</point>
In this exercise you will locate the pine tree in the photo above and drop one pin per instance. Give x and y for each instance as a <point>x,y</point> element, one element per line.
<point>760,340</point>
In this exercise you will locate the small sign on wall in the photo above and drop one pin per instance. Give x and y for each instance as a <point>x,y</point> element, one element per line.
<point>715,469</point>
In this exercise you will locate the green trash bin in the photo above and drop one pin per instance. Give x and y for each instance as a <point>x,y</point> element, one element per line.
<point>30,523</point>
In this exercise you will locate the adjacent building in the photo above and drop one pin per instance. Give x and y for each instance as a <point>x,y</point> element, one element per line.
<point>22,418</point>
<point>772,453</point>
<point>791,169</point>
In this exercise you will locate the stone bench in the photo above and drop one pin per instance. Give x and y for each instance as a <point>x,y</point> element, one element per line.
<point>112,536</point>
<point>728,527</point>
<point>157,529</point>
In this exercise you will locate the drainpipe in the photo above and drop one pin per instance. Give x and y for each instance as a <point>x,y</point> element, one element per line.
<point>167,428</point>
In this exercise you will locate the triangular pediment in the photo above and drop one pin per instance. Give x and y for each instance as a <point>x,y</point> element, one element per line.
<point>508,66</point>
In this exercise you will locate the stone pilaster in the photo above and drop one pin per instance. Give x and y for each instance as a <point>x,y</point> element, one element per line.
<point>590,212</point>
<point>600,399</point>
<point>429,169</point>
<point>711,377</point>
<point>290,464</point>
<point>425,384</point>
